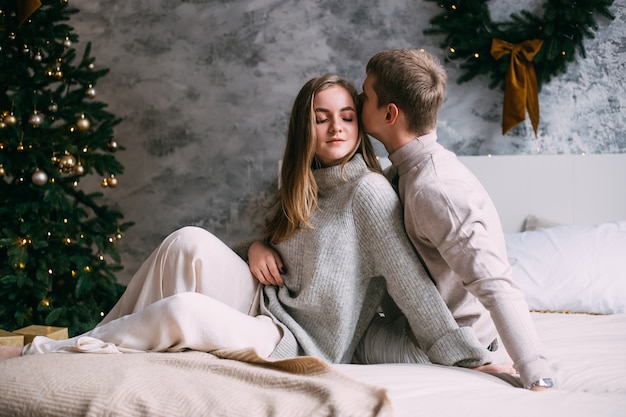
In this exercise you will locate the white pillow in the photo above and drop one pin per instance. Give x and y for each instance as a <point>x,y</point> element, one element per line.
<point>534,222</point>
<point>579,269</point>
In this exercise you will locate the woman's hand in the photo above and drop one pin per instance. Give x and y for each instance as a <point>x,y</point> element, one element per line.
<point>265,264</point>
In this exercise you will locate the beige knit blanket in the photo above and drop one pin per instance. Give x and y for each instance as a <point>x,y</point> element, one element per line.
<point>183,384</point>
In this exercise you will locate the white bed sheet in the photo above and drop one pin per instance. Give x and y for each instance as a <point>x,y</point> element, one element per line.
<point>589,358</point>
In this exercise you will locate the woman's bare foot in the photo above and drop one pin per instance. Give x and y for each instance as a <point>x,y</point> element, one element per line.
<point>7,352</point>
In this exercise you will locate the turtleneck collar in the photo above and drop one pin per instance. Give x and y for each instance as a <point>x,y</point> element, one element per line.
<point>327,178</point>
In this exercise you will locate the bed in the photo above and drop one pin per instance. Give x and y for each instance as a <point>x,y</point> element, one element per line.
<point>565,223</point>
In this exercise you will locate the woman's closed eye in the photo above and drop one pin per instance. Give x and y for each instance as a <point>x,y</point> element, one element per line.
<point>345,119</point>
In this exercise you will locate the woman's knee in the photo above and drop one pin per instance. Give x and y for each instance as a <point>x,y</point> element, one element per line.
<point>191,233</point>
<point>190,239</point>
<point>186,305</point>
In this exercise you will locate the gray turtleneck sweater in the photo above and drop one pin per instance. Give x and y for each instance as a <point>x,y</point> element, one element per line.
<point>337,273</point>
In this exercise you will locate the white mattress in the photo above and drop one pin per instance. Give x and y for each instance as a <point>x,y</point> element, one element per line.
<point>589,356</point>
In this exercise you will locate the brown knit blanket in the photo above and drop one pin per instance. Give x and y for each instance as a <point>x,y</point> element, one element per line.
<point>185,384</point>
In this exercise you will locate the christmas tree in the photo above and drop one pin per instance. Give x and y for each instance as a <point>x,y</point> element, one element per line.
<point>58,256</point>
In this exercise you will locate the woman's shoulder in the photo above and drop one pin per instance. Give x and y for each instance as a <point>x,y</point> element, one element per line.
<point>374,189</point>
<point>375,180</point>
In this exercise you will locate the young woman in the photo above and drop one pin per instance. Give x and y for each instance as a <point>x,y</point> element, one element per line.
<point>337,226</point>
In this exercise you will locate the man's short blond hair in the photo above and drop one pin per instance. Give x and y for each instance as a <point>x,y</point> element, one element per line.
<point>413,80</point>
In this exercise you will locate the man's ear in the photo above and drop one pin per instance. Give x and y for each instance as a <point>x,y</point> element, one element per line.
<point>392,113</point>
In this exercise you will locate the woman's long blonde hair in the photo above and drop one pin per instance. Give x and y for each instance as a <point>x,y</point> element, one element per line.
<point>297,197</point>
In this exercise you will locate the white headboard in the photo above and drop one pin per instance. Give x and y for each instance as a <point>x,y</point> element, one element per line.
<point>567,189</point>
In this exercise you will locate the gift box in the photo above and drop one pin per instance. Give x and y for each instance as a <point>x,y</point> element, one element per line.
<point>11,339</point>
<point>29,332</point>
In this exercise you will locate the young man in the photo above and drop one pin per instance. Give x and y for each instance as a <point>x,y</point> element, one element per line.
<point>449,216</point>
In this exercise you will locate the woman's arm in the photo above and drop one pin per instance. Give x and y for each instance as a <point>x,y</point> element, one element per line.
<point>265,263</point>
<point>378,217</point>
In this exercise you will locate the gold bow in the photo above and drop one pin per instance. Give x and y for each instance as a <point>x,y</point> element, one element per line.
<point>520,89</point>
<point>25,8</point>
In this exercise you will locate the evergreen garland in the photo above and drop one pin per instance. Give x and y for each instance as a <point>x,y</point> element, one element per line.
<point>469,31</point>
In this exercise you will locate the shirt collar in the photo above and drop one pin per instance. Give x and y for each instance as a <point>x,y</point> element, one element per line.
<point>410,154</point>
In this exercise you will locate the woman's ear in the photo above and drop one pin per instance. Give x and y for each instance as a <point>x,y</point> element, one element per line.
<point>392,113</point>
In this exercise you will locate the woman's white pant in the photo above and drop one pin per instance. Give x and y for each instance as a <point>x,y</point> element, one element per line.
<point>193,292</point>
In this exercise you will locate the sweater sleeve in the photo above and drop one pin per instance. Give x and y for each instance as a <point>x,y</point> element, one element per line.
<point>241,247</point>
<point>378,218</point>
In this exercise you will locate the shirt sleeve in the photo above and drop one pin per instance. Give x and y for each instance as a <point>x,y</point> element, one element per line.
<point>457,219</point>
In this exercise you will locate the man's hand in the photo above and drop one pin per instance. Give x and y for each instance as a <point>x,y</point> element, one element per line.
<point>498,368</point>
<point>265,264</point>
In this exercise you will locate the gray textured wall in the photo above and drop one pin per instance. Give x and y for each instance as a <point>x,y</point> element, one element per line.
<point>205,87</point>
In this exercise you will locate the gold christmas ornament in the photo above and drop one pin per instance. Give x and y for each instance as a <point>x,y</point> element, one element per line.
<point>104,183</point>
<point>112,181</point>
<point>52,108</point>
<point>79,170</point>
<point>90,92</point>
<point>39,177</point>
<point>83,124</point>
<point>67,163</point>
<point>36,119</point>
<point>67,43</point>
<point>10,119</point>
<point>112,146</point>
<point>2,171</point>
